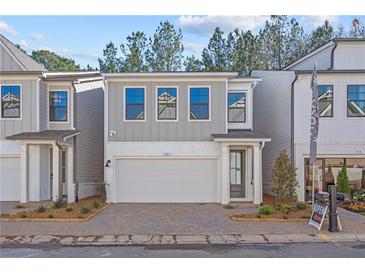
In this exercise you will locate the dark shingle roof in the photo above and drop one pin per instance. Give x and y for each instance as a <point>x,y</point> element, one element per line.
<point>27,62</point>
<point>240,134</point>
<point>43,135</point>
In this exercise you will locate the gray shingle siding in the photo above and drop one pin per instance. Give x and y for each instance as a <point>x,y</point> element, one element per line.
<point>90,141</point>
<point>272,116</point>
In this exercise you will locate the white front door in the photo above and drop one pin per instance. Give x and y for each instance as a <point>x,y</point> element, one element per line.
<point>166,180</point>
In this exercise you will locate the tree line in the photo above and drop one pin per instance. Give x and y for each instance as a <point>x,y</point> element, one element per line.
<point>281,41</point>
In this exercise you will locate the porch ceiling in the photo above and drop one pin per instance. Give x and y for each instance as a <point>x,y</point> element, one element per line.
<point>57,135</point>
<point>240,135</point>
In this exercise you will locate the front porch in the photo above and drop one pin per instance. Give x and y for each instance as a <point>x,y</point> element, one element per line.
<point>46,165</point>
<point>241,166</point>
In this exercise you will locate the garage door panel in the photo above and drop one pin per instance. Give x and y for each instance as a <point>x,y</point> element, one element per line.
<point>9,179</point>
<point>157,180</point>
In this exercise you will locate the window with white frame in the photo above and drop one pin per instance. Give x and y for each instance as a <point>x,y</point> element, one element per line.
<point>134,104</point>
<point>236,107</point>
<point>166,103</point>
<point>325,99</point>
<point>356,100</point>
<point>199,103</point>
<point>58,103</point>
<point>10,101</point>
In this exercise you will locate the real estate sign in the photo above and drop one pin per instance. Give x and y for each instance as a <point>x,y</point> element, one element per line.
<point>318,214</point>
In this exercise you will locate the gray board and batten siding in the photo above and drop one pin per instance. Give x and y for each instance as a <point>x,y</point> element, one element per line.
<point>153,130</point>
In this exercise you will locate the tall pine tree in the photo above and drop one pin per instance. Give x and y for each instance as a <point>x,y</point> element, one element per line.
<point>110,61</point>
<point>134,53</point>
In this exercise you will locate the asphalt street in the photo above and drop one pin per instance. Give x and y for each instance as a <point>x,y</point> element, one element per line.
<point>290,250</point>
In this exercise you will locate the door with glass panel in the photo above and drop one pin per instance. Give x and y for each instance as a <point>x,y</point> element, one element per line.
<point>236,171</point>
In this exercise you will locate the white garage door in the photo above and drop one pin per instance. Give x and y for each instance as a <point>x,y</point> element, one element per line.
<point>160,180</point>
<point>9,179</point>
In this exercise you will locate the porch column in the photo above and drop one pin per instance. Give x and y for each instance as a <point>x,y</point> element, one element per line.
<point>70,175</point>
<point>225,174</point>
<point>257,175</point>
<point>24,188</point>
<point>56,173</point>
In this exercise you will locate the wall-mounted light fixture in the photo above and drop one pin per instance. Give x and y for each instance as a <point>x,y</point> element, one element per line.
<point>112,132</point>
<point>107,163</point>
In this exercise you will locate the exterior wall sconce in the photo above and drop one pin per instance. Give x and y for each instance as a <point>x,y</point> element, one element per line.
<point>107,163</point>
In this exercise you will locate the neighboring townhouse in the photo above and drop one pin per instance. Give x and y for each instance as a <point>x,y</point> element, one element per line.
<point>181,137</point>
<point>282,106</point>
<point>51,130</point>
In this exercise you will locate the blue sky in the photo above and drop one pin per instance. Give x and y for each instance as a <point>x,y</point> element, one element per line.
<point>84,37</point>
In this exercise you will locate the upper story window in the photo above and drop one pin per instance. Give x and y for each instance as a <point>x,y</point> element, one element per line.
<point>236,107</point>
<point>134,103</point>
<point>199,103</point>
<point>10,101</point>
<point>325,98</point>
<point>166,103</point>
<point>58,106</point>
<point>356,100</point>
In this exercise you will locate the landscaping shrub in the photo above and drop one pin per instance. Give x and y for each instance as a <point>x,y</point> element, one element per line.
<point>266,210</point>
<point>342,183</point>
<point>228,206</point>
<point>59,203</point>
<point>84,210</point>
<point>19,206</point>
<point>286,208</point>
<point>96,204</point>
<point>50,216</point>
<point>284,184</point>
<point>23,215</point>
<point>302,206</point>
<point>41,209</point>
<point>69,209</point>
<point>359,195</point>
<point>101,191</point>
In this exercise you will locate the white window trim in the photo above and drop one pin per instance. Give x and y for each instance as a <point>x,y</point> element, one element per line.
<point>21,103</point>
<point>125,105</point>
<point>346,102</point>
<point>209,103</point>
<point>177,104</point>
<point>245,124</point>
<point>68,106</point>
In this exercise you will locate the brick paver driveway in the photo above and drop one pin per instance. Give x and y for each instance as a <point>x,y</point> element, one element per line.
<point>139,219</point>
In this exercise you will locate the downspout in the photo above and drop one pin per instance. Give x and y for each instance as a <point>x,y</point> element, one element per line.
<point>75,126</point>
<point>292,119</point>
<point>333,56</point>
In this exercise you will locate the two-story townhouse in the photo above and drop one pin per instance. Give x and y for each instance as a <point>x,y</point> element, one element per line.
<point>285,96</point>
<point>181,137</point>
<point>51,130</point>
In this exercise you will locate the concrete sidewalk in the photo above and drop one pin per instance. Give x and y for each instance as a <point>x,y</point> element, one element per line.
<point>116,240</point>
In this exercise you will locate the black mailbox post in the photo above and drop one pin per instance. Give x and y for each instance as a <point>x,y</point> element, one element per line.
<point>333,218</point>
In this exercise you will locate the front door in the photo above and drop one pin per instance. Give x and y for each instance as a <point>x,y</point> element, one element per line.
<point>236,173</point>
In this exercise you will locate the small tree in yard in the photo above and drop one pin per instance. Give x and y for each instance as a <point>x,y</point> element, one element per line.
<point>342,184</point>
<point>284,178</point>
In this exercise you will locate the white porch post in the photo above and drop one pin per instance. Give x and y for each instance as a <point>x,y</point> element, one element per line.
<point>70,175</point>
<point>56,173</point>
<point>257,176</point>
<point>225,174</point>
<point>24,173</point>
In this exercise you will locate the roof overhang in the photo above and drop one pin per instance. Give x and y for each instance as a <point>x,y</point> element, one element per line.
<point>297,72</point>
<point>171,74</point>
<point>53,135</point>
<point>72,76</point>
<point>241,140</point>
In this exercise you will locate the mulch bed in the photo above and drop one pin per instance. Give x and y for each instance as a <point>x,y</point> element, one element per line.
<point>61,213</point>
<point>358,207</point>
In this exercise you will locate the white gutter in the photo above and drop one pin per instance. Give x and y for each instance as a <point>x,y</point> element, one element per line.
<point>172,74</point>
<point>242,140</point>
<point>79,81</point>
<point>46,74</point>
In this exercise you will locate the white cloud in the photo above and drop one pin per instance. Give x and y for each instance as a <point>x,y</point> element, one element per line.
<point>318,20</point>
<point>194,48</point>
<point>204,25</point>
<point>7,29</point>
<point>24,44</point>
<point>37,36</point>
<point>77,54</point>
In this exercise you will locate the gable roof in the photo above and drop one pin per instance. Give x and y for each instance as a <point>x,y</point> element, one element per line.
<point>25,61</point>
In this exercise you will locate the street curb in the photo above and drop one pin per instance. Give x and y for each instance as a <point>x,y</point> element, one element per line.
<point>198,239</point>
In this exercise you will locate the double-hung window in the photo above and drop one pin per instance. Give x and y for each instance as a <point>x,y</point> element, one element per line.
<point>58,104</point>
<point>356,100</point>
<point>325,99</point>
<point>199,103</point>
<point>236,107</point>
<point>166,103</point>
<point>10,101</point>
<point>135,103</point>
